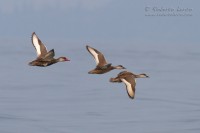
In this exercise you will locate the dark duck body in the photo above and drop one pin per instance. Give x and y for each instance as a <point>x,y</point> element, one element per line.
<point>44,58</point>
<point>101,64</point>
<point>129,79</point>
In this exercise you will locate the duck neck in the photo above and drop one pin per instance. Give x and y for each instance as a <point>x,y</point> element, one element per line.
<point>140,76</point>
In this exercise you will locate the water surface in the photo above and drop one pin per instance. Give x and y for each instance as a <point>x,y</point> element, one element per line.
<point>63,98</point>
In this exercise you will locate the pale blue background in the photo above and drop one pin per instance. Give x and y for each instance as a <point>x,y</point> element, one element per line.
<point>63,98</point>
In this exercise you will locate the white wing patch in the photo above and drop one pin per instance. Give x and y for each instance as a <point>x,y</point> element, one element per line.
<point>37,45</point>
<point>95,55</point>
<point>128,87</point>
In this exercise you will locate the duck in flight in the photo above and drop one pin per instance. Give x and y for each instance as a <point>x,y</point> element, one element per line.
<point>129,79</point>
<point>44,58</point>
<point>101,64</point>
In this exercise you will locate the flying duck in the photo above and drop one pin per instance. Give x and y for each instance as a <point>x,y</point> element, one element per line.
<point>44,58</point>
<point>129,80</point>
<point>101,64</point>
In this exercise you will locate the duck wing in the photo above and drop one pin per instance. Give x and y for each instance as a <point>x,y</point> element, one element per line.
<point>41,50</point>
<point>130,83</point>
<point>49,55</point>
<point>98,56</point>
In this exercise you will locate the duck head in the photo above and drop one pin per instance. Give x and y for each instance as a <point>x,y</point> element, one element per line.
<point>143,75</point>
<point>119,67</point>
<point>62,59</point>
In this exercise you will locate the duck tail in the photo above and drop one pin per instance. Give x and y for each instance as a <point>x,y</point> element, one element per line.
<point>115,80</point>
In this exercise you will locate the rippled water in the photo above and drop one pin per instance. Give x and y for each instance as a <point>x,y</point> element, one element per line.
<point>63,98</point>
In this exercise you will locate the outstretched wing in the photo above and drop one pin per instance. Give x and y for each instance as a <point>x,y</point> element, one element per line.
<point>130,83</point>
<point>41,50</point>
<point>98,56</point>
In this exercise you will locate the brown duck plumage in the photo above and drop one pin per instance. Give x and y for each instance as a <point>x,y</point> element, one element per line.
<point>101,64</point>
<point>44,58</point>
<point>128,79</point>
